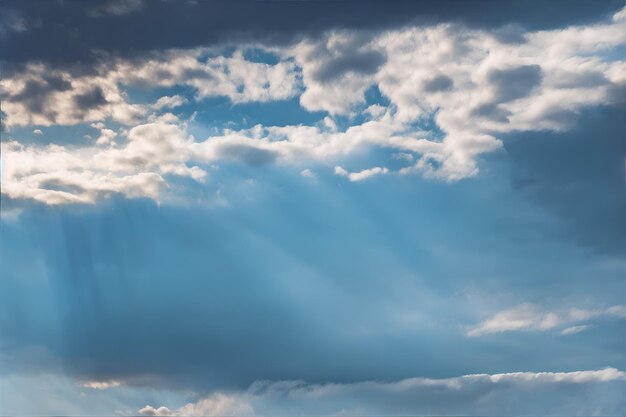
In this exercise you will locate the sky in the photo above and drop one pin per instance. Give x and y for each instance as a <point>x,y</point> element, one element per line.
<point>307,208</point>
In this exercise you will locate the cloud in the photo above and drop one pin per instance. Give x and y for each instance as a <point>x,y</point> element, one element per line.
<point>514,83</point>
<point>56,174</point>
<point>151,411</point>
<point>195,24</point>
<point>42,96</point>
<point>530,317</point>
<point>361,175</point>
<point>169,102</point>
<point>234,77</point>
<point>116,8</point>
<point>550,393</point>
<point>438,83</point>
<point>547,169</point>
<point>307,173</point>
<point>100,385</point>
<point>573,330</point>
<point>474,88</point>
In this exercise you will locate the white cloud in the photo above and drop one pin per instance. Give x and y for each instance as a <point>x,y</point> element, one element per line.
<point>100,385</point>
<point>169,102</point>
<point>336,70</point>
<point>471,84</point>
<point>37,132</point>
<point>524,392</point>
<point>151,411</point>
<point>56,174</point>
<point>233,77</point>
<point>573,330</point>
<point>361,175</point>
<point>43,96</point>
<point>307,173</point>
<point>531,317</point>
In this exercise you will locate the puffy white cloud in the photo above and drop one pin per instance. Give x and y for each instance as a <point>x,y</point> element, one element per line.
<point>531,317</point>
<point>43,96</point>
<point>233,77</point>
<point>470,83</point>
<point>56,174</point>
<point>151,411</point>
<point>336,70</point>
<point>524,392</point>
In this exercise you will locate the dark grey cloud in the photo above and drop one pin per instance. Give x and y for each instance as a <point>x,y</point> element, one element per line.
<point>35,92</point>
<point>438,83</point>
<point>116,7</point>
<point>71,33</point>
<point>510,33</point>
<point>579,176</point>
<point>587,79</point>
<point>360,62</point>
<point>508,85</point>
<point>91,99</point>
<point>514,83</point>
<point>247,154</point>
<point>3,117</point>
<point>492,111</point>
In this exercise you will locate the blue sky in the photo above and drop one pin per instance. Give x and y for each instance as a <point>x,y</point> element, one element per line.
<point>419,210</point>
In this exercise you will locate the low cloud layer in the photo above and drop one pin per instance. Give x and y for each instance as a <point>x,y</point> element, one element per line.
<point>519,393</point>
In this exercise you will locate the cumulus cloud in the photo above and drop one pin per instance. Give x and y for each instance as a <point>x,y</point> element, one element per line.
<point>524,392</point>
<point>42,96</point>
<point>472,84</point>
<point>56,174</point>
<point>336,70</point>
<point>136,167</point>
<point>531,317</point>
<point>233,77</point>
<point>151,411</point>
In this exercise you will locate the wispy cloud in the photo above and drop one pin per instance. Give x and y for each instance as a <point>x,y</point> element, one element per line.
<point>532,317</point>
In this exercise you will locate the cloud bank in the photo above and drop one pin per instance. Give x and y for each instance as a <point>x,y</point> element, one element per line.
<point>518,393</point>
<point>472,85</point>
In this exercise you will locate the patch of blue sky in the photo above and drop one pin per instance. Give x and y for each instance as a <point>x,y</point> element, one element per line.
<point>610,54</point>
<point>148,94</point>
<point>73,135</point>
<point>219,113</point>
<point>372,96</point>
<point>260,55</point>
<point>429,125</point>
